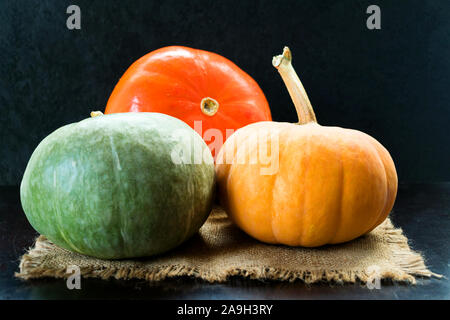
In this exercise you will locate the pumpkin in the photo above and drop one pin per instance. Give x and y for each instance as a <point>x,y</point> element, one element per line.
<point>119,186</point>
<point>205,90</point>
<point>323,185</point>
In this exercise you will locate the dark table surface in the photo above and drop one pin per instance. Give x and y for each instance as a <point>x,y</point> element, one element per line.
<point>422,210</point>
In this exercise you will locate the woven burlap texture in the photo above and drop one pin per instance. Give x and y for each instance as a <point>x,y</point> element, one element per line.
<point>221,250</point>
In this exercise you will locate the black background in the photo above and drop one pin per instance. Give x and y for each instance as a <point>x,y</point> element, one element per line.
<point>391,83</point>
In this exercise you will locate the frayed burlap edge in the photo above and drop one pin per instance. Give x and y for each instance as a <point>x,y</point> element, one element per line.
<point>411,265</point>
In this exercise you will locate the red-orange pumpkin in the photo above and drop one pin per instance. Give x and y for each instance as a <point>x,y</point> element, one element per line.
<point>191,85</point>
<point>329,184</point>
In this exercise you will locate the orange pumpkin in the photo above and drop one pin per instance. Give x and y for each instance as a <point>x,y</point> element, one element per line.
<point>192,85</point>
<point>324,185</point>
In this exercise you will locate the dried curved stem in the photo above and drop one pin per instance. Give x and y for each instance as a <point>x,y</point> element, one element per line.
<point>283,63</point>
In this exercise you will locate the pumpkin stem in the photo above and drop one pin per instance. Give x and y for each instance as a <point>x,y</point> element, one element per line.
<point>283,63</point>
<point>96,114</point>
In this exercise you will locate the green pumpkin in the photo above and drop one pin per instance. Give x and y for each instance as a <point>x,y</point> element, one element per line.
<point>119,186</point>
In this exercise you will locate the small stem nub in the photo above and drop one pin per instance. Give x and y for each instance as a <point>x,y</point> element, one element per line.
<point>96,114</point>
<point>283,63</point>
<point>209,106</point>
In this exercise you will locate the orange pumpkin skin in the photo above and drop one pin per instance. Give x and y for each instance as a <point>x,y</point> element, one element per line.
<point>175,80</point>
<point>330,184</point>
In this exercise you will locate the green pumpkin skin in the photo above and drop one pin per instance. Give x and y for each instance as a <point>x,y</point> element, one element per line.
<point>107,186</point>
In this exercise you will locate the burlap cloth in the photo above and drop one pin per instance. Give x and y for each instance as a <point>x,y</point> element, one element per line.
<point>220,250</point>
